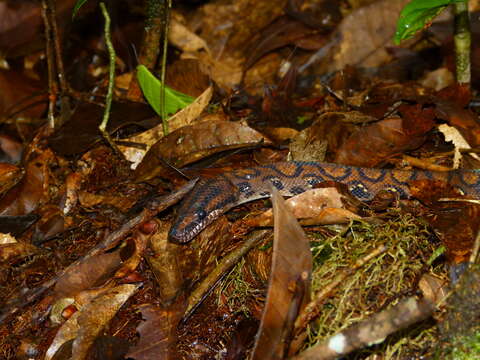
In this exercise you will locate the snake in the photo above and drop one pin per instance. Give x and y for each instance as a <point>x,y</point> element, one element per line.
<point>212,197</point>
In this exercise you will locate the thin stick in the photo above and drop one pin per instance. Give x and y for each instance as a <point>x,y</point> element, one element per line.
<point>111,80</point>
<point>52,84</point>
<point>163,110</point>
<point>312,309</point>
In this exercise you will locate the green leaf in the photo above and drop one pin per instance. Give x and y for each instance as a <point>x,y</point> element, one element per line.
<point>150,85</point>
<point>77,7</point>
<point>418,14</point>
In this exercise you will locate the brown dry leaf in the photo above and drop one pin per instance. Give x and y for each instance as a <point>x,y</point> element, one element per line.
<point>455,223</point>
<point>10,175</point>
<point>304,149</point>
<point>375,143</point>
<point>33,189</point>
<point>157,333</point>
<point>164,263</point>
<point>289,285</point>
<point>15,88</point>
<point>227,28</point>
<point>282,32</point>
<point>192,143</point>
<point>361,39</point>
<point>68,331</point>
<point>95,316</point>
<point>22,22</point>
<point>89,200</point>
<point>16,250</point>
<point>182,118</point>
<point>11,148</point>
<point>92,271</point>
<point>180,36</point>
<point>318,206</point>
<point>463,119</point>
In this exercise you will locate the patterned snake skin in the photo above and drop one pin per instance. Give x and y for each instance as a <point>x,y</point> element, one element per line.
<point>211,198</point>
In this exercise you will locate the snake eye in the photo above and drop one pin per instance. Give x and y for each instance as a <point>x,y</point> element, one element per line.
<point>201,214</point>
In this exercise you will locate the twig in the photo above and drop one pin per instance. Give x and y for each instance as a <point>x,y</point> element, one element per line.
<point>476,248</point>
<point>163,111</point>
<point>463,42</point>
<point>208,284</point>
<point>312,309</point>
<point>111,80</point>
<point>52,83</point>
<point>371,330</point>
<point>57,47</point>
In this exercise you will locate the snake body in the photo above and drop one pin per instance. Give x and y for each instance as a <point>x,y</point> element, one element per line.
<point>212,197</point>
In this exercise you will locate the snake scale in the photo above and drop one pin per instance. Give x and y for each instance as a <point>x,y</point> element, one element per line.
<point>210,198</point>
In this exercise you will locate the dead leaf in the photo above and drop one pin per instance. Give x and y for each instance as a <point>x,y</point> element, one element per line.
<point>90,272</point>
<point>192,143</point>
<point>153,135</point>
<point>94,317</point>
<point>157,333</point>
<point>361,38</point>
<point>317,207</point>
<point>289,284</point>
<point>33,189</point>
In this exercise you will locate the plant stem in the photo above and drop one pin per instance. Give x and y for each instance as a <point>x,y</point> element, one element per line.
<point>166,23</point>
<point>111,79</point>
<point>463,41</point>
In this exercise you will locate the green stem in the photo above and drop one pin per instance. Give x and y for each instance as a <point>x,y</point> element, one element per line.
<point>111,79</point>
<point>163,111</point>
<point>463,42</point>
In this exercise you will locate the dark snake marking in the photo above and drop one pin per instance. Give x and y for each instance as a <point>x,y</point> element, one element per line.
<point>373,178</point>
<point>280,173</point>
<point>332,176</point>
<point>216,196</point>
<point>359,190</point>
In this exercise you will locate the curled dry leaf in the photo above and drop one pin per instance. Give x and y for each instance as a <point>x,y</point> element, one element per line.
<point>68,331</point>
<point>289,284</point>
<point>32,190</point>
<point>433,288</point>
<point>10,175</point>
<point>192,143</point>
<point>318,206</point>
<point>95,316</point>
<point>164,263</point>
<point>90,272</point>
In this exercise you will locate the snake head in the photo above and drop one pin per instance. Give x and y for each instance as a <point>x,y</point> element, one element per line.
<point>208,200</point>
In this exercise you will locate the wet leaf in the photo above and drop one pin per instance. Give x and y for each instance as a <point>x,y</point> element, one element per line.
<point>418,14</point>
